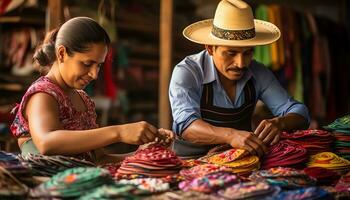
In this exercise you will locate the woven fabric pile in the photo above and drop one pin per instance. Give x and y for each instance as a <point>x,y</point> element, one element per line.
<point>107,192</point>
<point>18,169</point>
<point>250,190</point>
<point>50,165</point>
<point>285,154</point>
<point>307,193</point>
<point>314,141</point>
<point>237,159</point>
<point>323,176</point>
<point>210,183</point>
<point>152,161</point>
<point>72,183</point>
<point>341,130</point>
<point>343,184</point>
<point>283,177</point>
<point>202,170</point>
<point>330,161</point>
<point>10,186</point>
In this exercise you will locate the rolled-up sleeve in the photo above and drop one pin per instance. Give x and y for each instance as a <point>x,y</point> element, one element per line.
<point>276,97</point>
<point>184,95</point>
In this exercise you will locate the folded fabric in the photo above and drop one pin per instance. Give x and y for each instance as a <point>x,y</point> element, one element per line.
<point>309,193</point>
<point>249,190</point>
<point>111,192</point>
<point>210,183</point>
<point>331,161</point>
<point>343,184</point>
<point>283,177</point>
<point>322,175</point>
<point>341,124</point>
<point>152,161</point>
<point>151,185</point>
<point>284,154</point>
<point>226,156</point>
<point>72,183</point>
<point>202,170</point>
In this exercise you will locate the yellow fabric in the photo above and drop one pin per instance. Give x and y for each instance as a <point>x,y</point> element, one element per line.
<point>329,160</point>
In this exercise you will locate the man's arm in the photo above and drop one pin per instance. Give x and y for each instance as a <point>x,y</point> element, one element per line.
<point>201,132</point>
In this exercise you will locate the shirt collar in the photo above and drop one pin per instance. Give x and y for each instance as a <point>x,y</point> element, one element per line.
<point>210,73</point>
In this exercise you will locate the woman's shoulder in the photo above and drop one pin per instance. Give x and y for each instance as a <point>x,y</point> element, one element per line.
<point>44,84</point>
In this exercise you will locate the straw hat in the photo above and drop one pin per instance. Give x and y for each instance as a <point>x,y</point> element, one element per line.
<point>233,25</point>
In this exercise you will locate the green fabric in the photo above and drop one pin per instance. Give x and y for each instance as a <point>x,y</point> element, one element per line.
<point>262,53</point>
<point>29,147</point>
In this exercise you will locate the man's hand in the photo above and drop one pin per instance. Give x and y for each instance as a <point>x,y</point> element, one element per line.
<point>246,140</point>
<point>269,131</point>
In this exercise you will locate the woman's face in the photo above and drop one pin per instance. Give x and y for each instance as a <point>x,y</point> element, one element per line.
<point>231,62</point>
<point>79,70</point>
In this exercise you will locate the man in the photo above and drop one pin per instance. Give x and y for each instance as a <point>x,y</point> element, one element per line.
<point>213,93</point>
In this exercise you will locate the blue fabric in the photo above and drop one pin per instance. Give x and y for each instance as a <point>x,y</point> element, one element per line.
<point>194,71</point>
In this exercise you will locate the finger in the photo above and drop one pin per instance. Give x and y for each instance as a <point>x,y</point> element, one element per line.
<point>260,127</point>
<point>276,139</point>
<point>149,136</point>
<point>152,128</point>
<point>144,140</point>
<point>268,139</point>
<point>264,133</point>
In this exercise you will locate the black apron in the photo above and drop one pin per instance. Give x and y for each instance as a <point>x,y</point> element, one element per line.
<point>237,118</point>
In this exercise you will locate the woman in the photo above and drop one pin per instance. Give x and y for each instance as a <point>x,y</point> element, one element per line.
<point>56,117</point>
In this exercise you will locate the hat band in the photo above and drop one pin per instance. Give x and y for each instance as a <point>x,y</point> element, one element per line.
<point>233,34</point>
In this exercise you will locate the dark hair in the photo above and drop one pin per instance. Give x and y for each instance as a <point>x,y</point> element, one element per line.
<point>76,35</point>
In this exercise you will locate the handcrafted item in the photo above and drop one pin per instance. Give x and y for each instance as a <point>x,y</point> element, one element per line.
<point>305,193</point>
<point>322,175</point>
<point>72,183</point>
<point>343,184</point>
<point>202,170</point>
<point>10,187</point>
<point>285,154</point>
<point>249,190</point>
<point>331,161</point>
<point>210,182</point>
<point>153,161</point>
<point>283,177</point>
<point>50,165</point>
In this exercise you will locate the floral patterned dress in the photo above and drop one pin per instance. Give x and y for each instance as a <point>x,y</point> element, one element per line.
<point>70,118</point>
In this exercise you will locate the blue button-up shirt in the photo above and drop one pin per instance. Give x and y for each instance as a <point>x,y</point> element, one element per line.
<point>194,71</point>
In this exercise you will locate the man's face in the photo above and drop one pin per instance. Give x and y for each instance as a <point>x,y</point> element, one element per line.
<point>231,62</point>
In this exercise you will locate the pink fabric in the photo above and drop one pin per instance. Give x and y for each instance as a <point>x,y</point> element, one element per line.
<point>70,118</point>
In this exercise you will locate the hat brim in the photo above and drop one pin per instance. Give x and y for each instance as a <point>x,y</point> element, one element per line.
<point>200,32</point>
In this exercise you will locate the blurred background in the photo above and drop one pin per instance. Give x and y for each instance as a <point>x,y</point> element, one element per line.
<point>311,60</point>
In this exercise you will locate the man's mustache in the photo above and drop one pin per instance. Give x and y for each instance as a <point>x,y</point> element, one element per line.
<point>236,69</point>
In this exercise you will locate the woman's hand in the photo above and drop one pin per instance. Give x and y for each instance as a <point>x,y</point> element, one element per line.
<point>165,136</point>
<point>138,133</point>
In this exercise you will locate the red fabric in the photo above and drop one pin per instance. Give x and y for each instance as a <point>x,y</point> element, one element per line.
<point>110,86</point>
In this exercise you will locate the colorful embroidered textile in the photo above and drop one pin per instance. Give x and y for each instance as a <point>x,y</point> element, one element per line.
<point>341,124</point>
<point>72,183</point>
<point>226,156</point>
<point>244,165</point>
<point>180,195</point>
<point>210,182</point>
<point>202,170</point>
<point>249,190</point>
<point>342,144</point>
<point>191,163</point>
<point>111,192</point>
<point>285,154</point>
<point>331,161</point>
<point>283,177</point>
<point>323,176</point>
<point>50,165</point>
<point>343,184</point>
<point>153,161</point>
<point>314,141</point>
<point>150,185</point>
<point>305,194</point>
